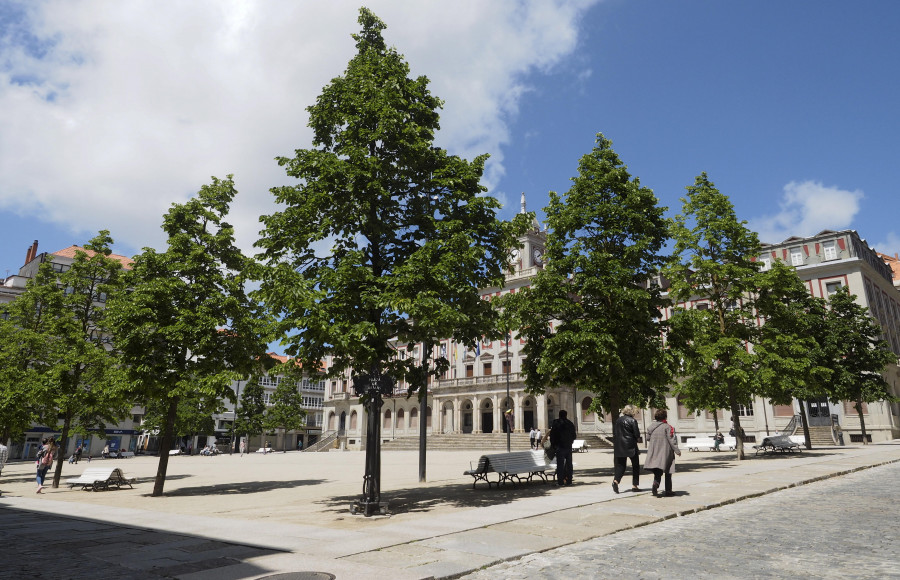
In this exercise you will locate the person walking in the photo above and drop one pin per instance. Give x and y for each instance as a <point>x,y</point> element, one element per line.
<point>4,456</point>
<point>626,434</point>
<point>44,461</point>
<point>662,447</point>
<point>243,447</point>
<point>531,437</point>
<point>562,434</point>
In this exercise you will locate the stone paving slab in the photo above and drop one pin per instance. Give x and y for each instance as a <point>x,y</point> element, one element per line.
<point>296,506</point>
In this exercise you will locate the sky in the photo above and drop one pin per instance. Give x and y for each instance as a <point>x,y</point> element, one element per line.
<point>111,111</point>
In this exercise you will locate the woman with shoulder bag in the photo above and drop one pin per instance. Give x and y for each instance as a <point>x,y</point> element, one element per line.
<point>44,461</point>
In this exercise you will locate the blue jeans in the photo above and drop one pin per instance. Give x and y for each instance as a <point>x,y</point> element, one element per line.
<point>563,465</point>
<point>42,473</point>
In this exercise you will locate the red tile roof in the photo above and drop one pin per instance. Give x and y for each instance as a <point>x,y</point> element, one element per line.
<point>893,262</point>
<point>71,250</point>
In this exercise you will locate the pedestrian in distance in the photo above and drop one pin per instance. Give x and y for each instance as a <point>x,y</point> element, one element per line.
<point>531,437</point>
<point>44,461</point>
<point>718,440</point>
<point>4,456</point>
<point>662,447</point>
<point>242,447</point>
<point>562,435</point>
<point>626,434</point>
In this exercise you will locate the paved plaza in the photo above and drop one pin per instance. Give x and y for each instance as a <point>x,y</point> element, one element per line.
<point>248,517</point>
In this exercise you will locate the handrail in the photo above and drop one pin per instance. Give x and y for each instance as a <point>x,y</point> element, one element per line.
<point>325,441</point>
<point>793,424</point>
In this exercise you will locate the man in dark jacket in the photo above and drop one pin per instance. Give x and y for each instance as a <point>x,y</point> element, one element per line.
<point>625,445</point>
<point>562,434</point>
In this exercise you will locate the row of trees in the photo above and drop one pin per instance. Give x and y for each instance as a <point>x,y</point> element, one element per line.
<point>386,239</point>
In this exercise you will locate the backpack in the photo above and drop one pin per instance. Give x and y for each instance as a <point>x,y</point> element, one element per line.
<point>41,453</point>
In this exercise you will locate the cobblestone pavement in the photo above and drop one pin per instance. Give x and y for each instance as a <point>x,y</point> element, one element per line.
<point>844,527</point>
<point>39,546</point>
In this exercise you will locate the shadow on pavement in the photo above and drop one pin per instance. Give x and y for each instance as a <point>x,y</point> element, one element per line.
<point>239,488</point>
<point>83,549</point>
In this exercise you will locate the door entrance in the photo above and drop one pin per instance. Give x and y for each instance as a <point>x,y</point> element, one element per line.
<point>529,421</point>
<point>818,412</point>
<point>487,422</point>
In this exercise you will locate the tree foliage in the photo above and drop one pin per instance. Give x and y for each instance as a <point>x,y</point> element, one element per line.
<point>792,346</point>
<point>386,238</point>
<point>286,411</point>
<point>591,315</point>
<point>713,262</point>
<point>186,328</point>
<point>859,355</point>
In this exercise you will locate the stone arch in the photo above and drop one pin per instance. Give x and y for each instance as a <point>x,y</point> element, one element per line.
<point>467,412</point>
<point>353,417</point>
<point>414,419</point>
<point>428,417</point>
<point>529,413</point>
<point>386,423</point>
<point>447,417</point>
<point>587,416</point>
<point>332,421</point>
<point>401,418</point>
<point>486,415</point>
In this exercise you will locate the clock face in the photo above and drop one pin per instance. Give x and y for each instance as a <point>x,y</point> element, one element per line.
<point>537,256</point>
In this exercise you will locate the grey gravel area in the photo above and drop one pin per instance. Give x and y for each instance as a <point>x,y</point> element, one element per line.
<point>845,527</point>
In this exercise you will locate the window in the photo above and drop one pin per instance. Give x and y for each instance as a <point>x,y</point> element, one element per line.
<point>796,256</point>
<point>702,306</point>
<point>745,411</point>
<point>832,287</point>
<point>470,370</point>
<point>507,367</point>
<point>765,264</point>
<point>487,369</point>
<point>830,250</point>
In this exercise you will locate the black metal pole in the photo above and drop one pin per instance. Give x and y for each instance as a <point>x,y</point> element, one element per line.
<point>508,369</point>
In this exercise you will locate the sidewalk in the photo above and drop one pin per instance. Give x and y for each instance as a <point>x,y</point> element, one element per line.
<point>298,505</point>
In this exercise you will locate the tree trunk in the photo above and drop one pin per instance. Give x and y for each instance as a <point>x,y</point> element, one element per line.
<point>61,456</point>
<point>736,419</point>
<point>805,422</point>
<point>862,421</point>
<point>164,446</point>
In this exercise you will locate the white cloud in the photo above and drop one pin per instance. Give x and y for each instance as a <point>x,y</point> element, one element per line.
<point>890,245</point>
<point>111,111</point>
<point>807,208</point>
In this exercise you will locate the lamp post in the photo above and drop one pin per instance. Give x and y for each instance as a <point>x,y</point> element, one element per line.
<point>509,423</point>
<point>371,387</point>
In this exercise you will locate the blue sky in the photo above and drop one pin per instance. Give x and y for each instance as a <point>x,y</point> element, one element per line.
<point>111,111</point>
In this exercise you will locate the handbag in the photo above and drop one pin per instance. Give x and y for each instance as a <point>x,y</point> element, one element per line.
<point>549,451</point>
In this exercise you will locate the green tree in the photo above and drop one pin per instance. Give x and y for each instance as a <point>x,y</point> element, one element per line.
<point>250,416</point>
<point>713,261</point>
<point>25,341</point>
<point>186,328</point>
<point>286,411</point>
<point>410,233</point>
<point>591,315</point>
<point>194,416</point>
<point>792,344</point>
<point>87,390</point>
<point>859,356</point>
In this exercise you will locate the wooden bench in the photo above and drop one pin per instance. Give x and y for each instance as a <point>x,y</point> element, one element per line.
<point>97,478</point>
<point>512,467</point>
<point>579,446</point>
<point>777,443</point>
<point>709,443</point>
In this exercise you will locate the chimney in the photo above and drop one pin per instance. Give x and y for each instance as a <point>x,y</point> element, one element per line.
<point>32,252</point>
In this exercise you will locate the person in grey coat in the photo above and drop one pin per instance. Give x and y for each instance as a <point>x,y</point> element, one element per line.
<point>662,447</point>
<point>626,434</point>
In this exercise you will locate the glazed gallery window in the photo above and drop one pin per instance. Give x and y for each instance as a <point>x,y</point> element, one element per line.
<point>796,256</point>
<point>745,411</point>
<point>830,250</point>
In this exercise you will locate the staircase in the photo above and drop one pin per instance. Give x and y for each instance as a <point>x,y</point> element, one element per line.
<point>819,436</point>
<point>480,441</point>
<point>461,442</point>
